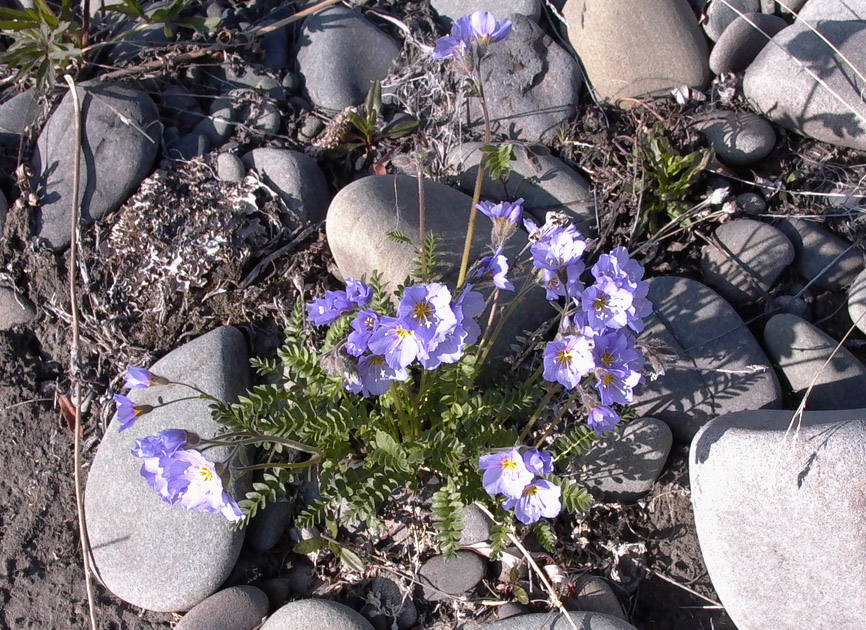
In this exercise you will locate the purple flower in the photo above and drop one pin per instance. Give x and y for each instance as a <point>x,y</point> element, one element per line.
<point>426,309</point>
<point>190,479</point>
<point>398,343</point>
<point>616,351</point>
<point>163,444</point>
<point>363,328</point>
<point>494,268</point>
<point>468,306</point>
<point>128,411</point>
<point>538,462</point>
<point>539,499</point>
<point>485,27</point>
<point>606,304</point>
<point>564,282</point>
<point>602,419</point>
<point>480,26</point>
<point>568,360</point>
<point>561,247</point>
<point>327,310</point>
<point>615,386</point>
<point>509,211</point>
<point>358,293</point>
<point>375,376</point>
<point>139,378</point>
<point>465,332</point>
<point>504,473</point>
<point>626,273</point>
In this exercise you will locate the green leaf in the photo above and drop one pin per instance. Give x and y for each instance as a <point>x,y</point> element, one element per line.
<point>311,545</point>
<point>497,158</point>
<point>349,558</point>
<point>520,594</point>
<point>399,237</point>
<point>398,128</point>
<point>373,102</point>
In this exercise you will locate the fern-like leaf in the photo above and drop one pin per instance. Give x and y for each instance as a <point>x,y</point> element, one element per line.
<point>545,535</point>
<point>447,509</point>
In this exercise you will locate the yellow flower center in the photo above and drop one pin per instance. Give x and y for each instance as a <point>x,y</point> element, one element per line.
<point>403,333</point>
<point>509,464</point>
<point>422,311</point>
<point>377,360</point>
<point>565,357</point>
<point>607,359</point>
<point>206,473</point>
<point>530,491</point>
<point>600,303</point>
<point>608,379</point>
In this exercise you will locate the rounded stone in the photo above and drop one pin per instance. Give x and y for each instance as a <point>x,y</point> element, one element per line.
<point>15,309</point>
<point>786,493</point>
<point>193,144</point>
<point>745,259</point>
<point>800,350</point>
<point>624,464</point>
<point>316,613</point>
<point>635,48</point>
<point>235,608</point>
<point>792,306</point>
<point>476,526</point>
<point>16,114</point>
<point>262,117</point>
<point>127,521</point>
<point>720,15</point>
<point>311,128</point>
<point>821,256</point>
<point>295,177</point>
<point>557,621</point>
<point>738,138</point>
<point>451,10</point>
<point>217,126</point>
<point>229,168</point>
<point>594,594</point>
<point>741,42</point>
<point>857,301</point>
<point>440,577</point>
<point>751,203</point>
<point>341,55</point>
<point>391,604</point>
<point>268,525</point>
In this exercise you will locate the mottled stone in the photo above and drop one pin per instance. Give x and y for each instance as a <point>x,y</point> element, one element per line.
<point>235,608</point>
<point>451,10</point>
<point>593,594</point>
<point>779,509</point>
<point>738,138</point>
<point>295,177</point>
<point>440,577</point>
<point>742,41</point>
<point>720,15</point>
<point>229,168</point>
<point>556,621</point>
<point>822,256</point>
<point>15,309</point>
<point>316,613</point>
<point>476,525</point>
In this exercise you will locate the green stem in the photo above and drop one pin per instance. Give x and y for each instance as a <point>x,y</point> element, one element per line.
<point>555,421</point>
<point>476,194</point>
<point>552,390</point>
<point>294,466</point>
<point>202,393</point>
<point>487,343</point>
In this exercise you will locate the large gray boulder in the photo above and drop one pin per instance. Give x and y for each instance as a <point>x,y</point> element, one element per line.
<point>782,83</point>
<point>779,511</point>
<point>316,613</point>
<point>721,368</point>
<point>295,177</point>
<point>119,141</point>
<point>340,55</point>
<point>451,10</point>
<point>148,553</point>
<point>531,84</point>
<point>742,41</point>
<point>635,48</point>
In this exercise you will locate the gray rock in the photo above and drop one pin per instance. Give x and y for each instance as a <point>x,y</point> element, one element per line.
<point>316,613</point>
<point>268,525</point>
<point>741,41</point>
<point>4,210</point>
<point>179,107</point>
<point>790,5</point>
<point>744,259</point>
<point>720,361</point>
<point>292,83</point>
<point>595,595</point>
<point>147,552</point>
<point>440,577</point>
<point>388,603</point>
<point>276,47</point>
<point>857,301</point>
<point>360,244</point>
<point>816,248</point>
<point>235,608</point>
<point>262,117</point>
<point>226,78</point>
<point>301,578</point>
<point>295,177</point>
<point>510,609</point>
<point>16,114</point>
<point>738,138</point>
<point>544,182</point>
<point>779,512</point>
<point>624,464</point>
<point>340,55</point>
<point>792,306</point>
<point>277,590</point>
<point>531,84</point>
<point>720,15</point>
<point>554,621</point>
<point>15,309</point>
<point>229,168</point>
<point>217,126</point>
<point>476,525</point>
<point>752,203</point>
<point>768,7</point>
<point>800,350</point>
<point>778,83</point>
<point>193,144</point>
<point>311,128</point>
<point>120,138</point>
<point>846,196</point>
<point>635,48</point>
<point>450,10</point>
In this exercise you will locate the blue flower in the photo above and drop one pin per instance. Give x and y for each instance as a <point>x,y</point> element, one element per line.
<point>615,386</point>
<point>508,211</point>
<point>480,27</point>
<point>494,268</point>
<point>539,499</point>
<point>327,310</point>
<point>606,304</point>
<point>139,378</point>
<point>426,309</point>
<point>128,411</point>
<point>558,248</point>
<point>602,419</point>
<point>504,473</point>
<point>375,376</point>
<point>358,293</point>
<point>163,444</point>
<point>568,360</point>
<point>538,462</point>
<point>397,342</point>
<point>362,329</point>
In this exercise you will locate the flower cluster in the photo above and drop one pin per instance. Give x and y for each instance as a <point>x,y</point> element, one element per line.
<point>510,474</point>
<point>480,29</point>
<point>430,327</point>
<point>597,334</point>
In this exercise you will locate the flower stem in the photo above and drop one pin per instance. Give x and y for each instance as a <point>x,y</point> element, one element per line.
<point>201,393</point>
<point>551,391</point>
<point>487,343</point>
<point>547,431</point>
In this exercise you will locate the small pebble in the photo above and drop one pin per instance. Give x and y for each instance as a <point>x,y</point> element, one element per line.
<point>311,128</point>
<point>441,578</point>
<point>229,168</point>
<point>235,608</point>
<point>15,309</point>
<point>751,203</point>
